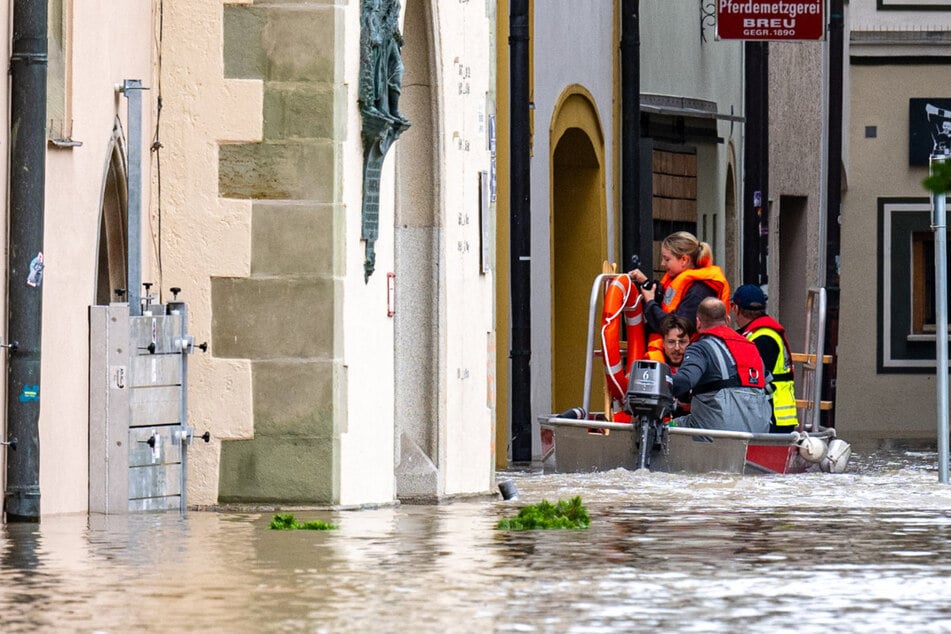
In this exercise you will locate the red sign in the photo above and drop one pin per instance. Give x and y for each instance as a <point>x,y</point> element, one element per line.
<point>770,19</point>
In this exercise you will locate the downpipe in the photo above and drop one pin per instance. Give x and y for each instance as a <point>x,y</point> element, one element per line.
<point>28,70</point>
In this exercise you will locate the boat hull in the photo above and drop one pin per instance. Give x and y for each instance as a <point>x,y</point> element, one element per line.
<point>576,446</point>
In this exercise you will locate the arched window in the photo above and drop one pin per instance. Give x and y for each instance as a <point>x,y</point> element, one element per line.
<point>113,258</point>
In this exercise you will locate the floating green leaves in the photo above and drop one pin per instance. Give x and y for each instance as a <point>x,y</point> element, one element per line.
<point>286,522</point>
<point>564,514</point>
<point>940,179</point>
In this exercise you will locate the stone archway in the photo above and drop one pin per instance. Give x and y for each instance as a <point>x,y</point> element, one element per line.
<point>416,243</point>
<point>731,222</point>
<point>578,238</point>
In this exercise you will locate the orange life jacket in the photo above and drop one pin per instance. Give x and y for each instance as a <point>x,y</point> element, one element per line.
<point>675,289</point>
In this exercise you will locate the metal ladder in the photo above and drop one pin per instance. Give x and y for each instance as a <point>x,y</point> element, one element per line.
<point>809,373</point>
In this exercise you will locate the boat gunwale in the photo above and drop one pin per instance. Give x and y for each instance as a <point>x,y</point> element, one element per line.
<point>788,439</point>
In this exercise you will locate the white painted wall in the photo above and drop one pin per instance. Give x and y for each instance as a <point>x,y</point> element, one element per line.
<point>102,57</point>
<point>465,30</point>
<point>466,311</point>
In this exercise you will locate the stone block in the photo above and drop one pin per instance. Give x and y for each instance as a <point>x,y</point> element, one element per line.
<point>295,171</point>
<point>277,41</point>
<point>244,57</point>
<point>290,39</point>
<point>292,239</point>
<point>279,470</point>
<point>297,110</point>
<point>272,318</point>
<point>293,398</point>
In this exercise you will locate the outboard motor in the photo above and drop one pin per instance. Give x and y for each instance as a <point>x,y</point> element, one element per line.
<point>649,402</point>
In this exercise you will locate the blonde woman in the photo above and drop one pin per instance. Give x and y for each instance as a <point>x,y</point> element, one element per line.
<point>690,276</point>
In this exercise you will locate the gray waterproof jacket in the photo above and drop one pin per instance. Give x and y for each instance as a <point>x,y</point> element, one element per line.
<point>731,408</point>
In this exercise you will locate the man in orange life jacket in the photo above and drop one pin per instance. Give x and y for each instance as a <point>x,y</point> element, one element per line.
<point>722,375</point>
<point>677,333</point>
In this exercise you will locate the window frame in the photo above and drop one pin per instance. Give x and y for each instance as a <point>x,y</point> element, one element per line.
<point>904,343</point>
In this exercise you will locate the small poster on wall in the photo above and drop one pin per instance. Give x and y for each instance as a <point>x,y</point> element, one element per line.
<point>929,127</point>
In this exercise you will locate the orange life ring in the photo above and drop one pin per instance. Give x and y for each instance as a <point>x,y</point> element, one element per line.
<point>621,298</point>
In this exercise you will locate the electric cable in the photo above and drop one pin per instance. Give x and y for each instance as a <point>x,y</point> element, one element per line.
<point>156,147</point>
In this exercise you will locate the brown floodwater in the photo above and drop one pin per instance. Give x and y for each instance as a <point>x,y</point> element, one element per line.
<point>868,549</point>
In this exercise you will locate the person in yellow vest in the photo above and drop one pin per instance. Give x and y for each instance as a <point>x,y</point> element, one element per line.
<point>690,277</point>
<point>769,336</point>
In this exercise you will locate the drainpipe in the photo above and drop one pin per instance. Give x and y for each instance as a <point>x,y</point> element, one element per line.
<point>520,247</point>
<point>21,501</point>
<point>756,164</point>
<point>834,199</point>
<point>132,89</point>
<point>637,224</point>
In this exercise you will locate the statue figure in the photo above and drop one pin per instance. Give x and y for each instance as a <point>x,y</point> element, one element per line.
<point>371,45</point>
<point>381,80</point>
<point>381,83</point>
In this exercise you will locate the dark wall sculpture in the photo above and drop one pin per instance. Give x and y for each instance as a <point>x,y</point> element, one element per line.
<point>381,80</point>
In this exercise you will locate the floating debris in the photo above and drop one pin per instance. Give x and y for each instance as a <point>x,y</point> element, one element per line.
<point>545,515</point>
<point>287,522</point>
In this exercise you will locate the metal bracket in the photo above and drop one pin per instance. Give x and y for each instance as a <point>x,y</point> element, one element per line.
<point>708,17</point>
<point>187,344</point>
<point>187,435</point>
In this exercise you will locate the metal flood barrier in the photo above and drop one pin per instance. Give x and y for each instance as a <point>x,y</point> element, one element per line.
<point>138,423</point>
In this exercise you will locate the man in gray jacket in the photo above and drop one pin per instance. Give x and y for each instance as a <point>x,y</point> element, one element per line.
<point>722,374</point>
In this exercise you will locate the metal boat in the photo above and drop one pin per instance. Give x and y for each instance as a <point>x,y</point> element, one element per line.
<point>571,445</point>
<point>579,441</point>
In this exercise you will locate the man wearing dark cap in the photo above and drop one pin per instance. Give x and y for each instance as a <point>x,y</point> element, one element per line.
<point>749,311</point>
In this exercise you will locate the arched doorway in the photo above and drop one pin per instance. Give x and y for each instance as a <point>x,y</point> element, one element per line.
<point>578,239</point>
<point>731,222</point>
<point>113,261</point>
<point>416,244</point>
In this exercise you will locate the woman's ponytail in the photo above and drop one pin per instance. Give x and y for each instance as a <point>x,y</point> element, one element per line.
<point>704,256</point>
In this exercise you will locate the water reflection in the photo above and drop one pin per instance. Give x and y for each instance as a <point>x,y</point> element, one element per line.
<point>851,552</point>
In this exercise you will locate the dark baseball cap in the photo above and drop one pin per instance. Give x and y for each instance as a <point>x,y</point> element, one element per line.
<point>750,297</point>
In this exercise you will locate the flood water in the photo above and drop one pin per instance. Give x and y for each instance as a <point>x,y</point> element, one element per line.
<point>868,549</point>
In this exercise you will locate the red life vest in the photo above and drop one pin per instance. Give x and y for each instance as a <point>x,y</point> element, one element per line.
<point>749,365</point>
